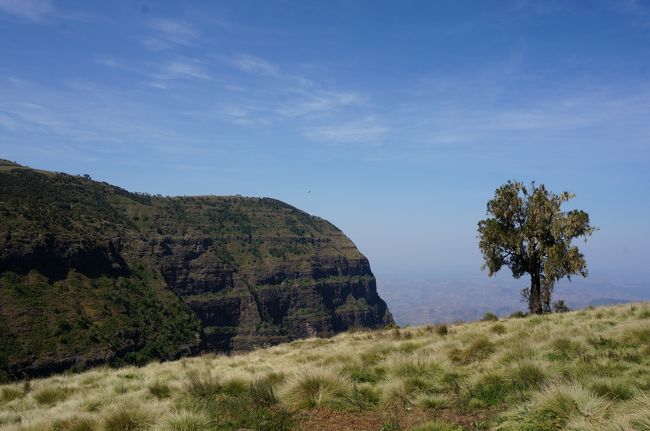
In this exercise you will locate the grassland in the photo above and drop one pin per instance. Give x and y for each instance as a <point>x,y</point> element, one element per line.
<point>584,370</point>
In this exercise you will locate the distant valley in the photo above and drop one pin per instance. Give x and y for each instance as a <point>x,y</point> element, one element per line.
<point>422,301</point>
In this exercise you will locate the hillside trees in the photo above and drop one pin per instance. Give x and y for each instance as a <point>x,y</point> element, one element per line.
<point>527,231</point>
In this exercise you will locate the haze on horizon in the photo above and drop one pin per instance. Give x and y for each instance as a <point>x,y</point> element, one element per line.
<point>395,121</point>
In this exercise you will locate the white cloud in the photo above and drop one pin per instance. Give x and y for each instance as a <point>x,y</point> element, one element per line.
<point>31,10</point>
<point>156,44</point>
<point>170,32</point>
<point>244,115</point>
<point>107,61</point>
<point>278,95</point>
<point>186,70</point>
<point>180,69</point>
<point>160,74</point>
<point>252,64</point>
<point>158,84</point>
<point>80,118</point>
<point>278,105</point>
<point>8,123</point>
<point>317,101</point>
<point>366,130</point>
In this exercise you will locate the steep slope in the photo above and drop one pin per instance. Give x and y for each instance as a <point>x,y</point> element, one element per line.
<point>92,273</point>
<point>584,370</point>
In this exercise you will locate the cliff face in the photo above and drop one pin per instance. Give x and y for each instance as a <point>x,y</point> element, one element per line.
<point>312,290</point>
<point>90,273</point>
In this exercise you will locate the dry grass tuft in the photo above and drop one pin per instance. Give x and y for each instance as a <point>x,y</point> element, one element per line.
<point>262,392</point>
<point>127,418</point>
<point>202,385</point>
<point>479,349</point>
<point>187,421</point>
<point>396,395</point>
<point>75,423</point>
<point>313,387</point>
<point>51,395</point>
<point>160,390</point>
<point>10,393</point>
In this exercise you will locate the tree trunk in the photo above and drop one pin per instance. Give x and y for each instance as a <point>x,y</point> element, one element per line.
<point>535,298</point>
<point>547,291</point>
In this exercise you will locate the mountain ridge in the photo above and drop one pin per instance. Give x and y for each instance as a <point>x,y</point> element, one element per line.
<point>90,269</point>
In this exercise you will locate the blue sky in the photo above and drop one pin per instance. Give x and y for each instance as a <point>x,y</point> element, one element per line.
<point>394,120</point>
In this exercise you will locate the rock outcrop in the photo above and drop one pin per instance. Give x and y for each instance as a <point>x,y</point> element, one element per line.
<point>91,273</point>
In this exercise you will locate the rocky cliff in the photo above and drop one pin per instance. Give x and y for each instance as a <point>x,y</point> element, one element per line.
<point>91,273</point>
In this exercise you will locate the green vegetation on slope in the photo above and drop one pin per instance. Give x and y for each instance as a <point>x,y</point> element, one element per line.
<point>585,370</point>
<point>86,321</point>
<point>92,274</point>
<point>36,202</point>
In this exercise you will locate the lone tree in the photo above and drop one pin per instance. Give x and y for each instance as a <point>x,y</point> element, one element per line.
<point>527,231</point>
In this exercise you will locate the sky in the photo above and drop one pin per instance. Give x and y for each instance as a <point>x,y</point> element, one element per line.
<point>395,120</point>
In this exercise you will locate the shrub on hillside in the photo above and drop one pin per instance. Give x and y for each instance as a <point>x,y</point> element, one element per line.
<point>559,306</point>
<point>490,317</point>
<point>442,329</point>
<point>498,329</point>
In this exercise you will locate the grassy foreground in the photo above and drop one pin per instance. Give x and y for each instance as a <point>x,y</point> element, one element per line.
<point>585,370</point>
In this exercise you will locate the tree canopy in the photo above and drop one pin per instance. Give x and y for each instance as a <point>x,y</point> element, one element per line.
<point>527,231</point>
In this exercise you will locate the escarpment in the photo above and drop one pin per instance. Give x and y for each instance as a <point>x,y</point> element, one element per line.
<point>91,273</point>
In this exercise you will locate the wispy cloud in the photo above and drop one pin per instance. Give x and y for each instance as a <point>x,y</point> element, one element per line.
<point>638,9</point>
<point>179,69</point>
<point>8,122</point>
<point>237,113</point>
<point>317,101</point>
<point>160,74</point>
<point>168,33</point>
<point>185,70</point>
<point>108,61</point>
<point>252,64</point>
<point>277,95</point>
<point>575,122</point>
<point>31,10</point>
<point>365,130</point>
<point>286,105</point>
<point>87,118</point>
